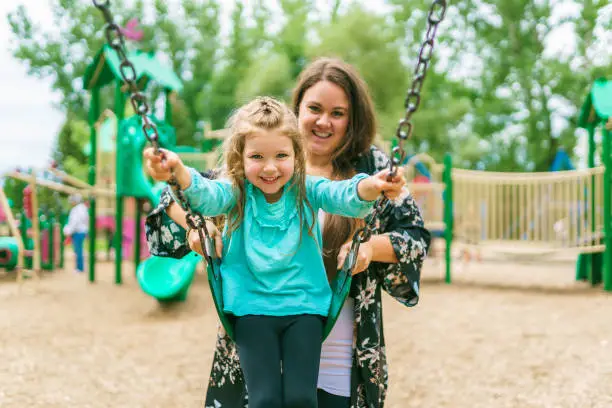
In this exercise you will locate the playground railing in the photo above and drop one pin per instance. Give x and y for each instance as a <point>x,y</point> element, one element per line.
<point>552,210</point>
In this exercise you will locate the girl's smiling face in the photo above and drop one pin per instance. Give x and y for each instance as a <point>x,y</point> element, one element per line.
<point>269,162</point>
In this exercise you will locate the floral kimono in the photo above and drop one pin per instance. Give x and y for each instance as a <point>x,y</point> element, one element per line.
<point>402,221</point>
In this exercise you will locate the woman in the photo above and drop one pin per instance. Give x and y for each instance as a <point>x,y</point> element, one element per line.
<point>336,117</point>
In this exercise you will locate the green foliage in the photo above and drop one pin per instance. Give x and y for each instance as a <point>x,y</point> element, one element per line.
<point>495,96</point>
<point>70,147</point>
<point>14,191</point>
<point>267,76</point>
<point>526,98</point>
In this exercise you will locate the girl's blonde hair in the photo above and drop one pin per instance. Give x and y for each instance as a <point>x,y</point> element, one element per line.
<point>263,114</point>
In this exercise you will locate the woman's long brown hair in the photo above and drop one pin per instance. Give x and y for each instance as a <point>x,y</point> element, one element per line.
<point>358,139</point>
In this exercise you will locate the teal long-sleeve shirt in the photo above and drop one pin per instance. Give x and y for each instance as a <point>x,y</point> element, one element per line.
<point>266,269</point>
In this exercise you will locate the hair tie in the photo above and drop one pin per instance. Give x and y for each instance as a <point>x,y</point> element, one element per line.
<point>266,108</point>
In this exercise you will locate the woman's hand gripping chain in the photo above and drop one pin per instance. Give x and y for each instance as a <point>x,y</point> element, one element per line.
<point>193,239</point>
<point>364,256</point>
<point>392,187</point>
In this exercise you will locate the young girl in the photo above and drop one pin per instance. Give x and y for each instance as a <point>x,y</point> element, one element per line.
<point>274,280</point>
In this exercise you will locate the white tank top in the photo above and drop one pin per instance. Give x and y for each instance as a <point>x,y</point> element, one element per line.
<point>337,350</point>
<point>337,354</point>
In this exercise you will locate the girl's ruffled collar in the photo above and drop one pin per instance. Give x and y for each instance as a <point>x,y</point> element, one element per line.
<point>278,214</point>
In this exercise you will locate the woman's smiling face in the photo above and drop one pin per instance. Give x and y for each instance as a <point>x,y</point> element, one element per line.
<point>323,118</point>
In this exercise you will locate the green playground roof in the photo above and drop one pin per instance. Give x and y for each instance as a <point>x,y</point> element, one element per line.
<point>597,106</point>
<point>105,69</point>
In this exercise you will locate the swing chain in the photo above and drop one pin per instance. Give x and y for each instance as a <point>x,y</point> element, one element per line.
<point>116,41</point>
<point>436,14</point>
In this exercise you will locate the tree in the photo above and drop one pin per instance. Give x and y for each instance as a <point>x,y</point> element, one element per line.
<point>70,147</point>
<point>527,97</point>
<point>13,189</point>
<point>220,99</point>
<point>187,35</point>
<point>522,99</point>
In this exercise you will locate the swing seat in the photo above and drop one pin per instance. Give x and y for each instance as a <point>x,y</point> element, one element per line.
<point>213,269</point>
<point>341,285</point>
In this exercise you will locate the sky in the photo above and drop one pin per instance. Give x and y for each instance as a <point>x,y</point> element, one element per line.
<point>29,121</point>
<point>27,114</point>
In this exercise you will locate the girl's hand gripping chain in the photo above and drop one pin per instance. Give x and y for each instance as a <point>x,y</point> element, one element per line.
<point>370,188</point>
<point>160,166</point>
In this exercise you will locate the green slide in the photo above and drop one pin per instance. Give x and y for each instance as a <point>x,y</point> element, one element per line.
<point>167,279</point>
<point>8,253</point>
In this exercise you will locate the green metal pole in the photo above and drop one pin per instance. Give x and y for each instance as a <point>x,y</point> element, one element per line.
<point>120,113</point>
<point>62,221</point>
<point>448,213</point>
<point>43,226</point>
<point>94,112</point>
<point>590,264</point>
<point>51,241</point>
<point>137,232</point>
<point>607,273</point>
<point>23,230</point>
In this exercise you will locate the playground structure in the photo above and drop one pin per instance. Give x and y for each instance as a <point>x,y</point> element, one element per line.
<point>529,214</point>
<point>521,214</point>
<point>115,153</point>
<point>11,247</point>
<point>34,239</point>
<point>118,140</point>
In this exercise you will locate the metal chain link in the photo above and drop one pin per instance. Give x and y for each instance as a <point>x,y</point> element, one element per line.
<point>436,14</point>
<point>116,41</point>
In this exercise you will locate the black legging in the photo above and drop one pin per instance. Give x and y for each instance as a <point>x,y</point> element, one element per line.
<point>327,400</point>
<point>264,342</point>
